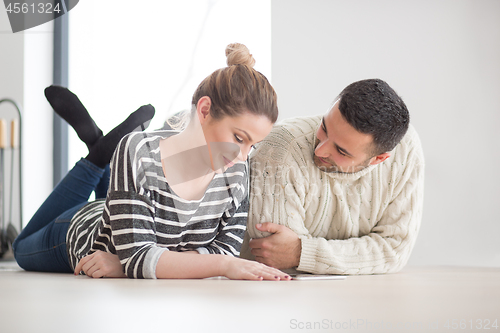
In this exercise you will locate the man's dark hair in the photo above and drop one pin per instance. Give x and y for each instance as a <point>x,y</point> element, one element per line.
<point>373,107</point>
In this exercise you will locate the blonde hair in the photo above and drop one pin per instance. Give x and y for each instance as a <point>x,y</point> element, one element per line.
<point>238,88</point>
<point>238,54</point>
<point>233,90</point>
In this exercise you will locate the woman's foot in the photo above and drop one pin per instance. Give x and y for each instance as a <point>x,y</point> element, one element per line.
<point>101,152</point>
<point>70,108</point>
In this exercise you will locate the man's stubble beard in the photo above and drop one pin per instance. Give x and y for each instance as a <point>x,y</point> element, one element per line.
<point>332,167</point>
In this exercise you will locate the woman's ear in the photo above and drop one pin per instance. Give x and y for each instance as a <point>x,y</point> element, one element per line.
<point>203,108</point>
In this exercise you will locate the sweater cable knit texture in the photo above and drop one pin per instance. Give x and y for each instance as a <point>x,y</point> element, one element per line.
<point>364,222</point>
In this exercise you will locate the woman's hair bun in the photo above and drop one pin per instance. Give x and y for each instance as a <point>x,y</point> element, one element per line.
<point>238,54</point>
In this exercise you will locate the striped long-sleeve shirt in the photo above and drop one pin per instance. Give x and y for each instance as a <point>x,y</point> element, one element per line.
<point>142,217</point>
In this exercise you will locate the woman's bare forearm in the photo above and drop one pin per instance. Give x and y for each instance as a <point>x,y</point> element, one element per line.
<point>187,265</point>
<point>191,265</point>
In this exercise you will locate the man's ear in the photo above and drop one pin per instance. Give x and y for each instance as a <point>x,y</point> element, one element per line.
<point>379,158</point>
<point>203,108</point>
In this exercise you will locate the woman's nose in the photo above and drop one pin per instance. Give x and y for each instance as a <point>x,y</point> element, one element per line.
<point>243,156</point>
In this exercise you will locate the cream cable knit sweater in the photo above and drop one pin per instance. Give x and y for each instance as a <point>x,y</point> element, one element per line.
<point>359,223</point>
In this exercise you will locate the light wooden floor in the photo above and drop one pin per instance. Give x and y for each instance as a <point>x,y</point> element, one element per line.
<point>418,299</point>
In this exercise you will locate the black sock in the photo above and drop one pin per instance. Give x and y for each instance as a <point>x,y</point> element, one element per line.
<point>101,152</point>
<point>68,106</point>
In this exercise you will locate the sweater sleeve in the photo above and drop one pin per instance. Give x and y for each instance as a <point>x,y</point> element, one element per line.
<point>231,231</point>
<point>280,181</point>
<point>283,192</point>
<point>233,223</point>
<point>130,217</point>
<point>386,249</point>
<point>129,213</point>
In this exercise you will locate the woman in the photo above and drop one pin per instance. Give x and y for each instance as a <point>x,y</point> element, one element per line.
<point>172,196</point>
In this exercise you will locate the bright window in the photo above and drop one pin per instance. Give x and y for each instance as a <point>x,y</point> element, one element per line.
<point>124,54</point>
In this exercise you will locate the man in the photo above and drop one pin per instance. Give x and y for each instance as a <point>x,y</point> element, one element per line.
<point>342,193</point>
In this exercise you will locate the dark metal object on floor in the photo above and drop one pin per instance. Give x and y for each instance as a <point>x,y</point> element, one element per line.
<point>9,229</point>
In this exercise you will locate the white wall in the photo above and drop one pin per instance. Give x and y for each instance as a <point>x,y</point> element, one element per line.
<point>443,58</point>
<point>137,56</point>
<point>162,46</point>
<point>25,70</point>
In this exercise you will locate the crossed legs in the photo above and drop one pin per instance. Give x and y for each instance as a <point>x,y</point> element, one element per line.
<point>41,245</point>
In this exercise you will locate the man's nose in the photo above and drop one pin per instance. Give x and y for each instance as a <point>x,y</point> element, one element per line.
<point>321,149</point>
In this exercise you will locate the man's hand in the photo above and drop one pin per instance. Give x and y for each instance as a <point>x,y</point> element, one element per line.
<point>280,250</point>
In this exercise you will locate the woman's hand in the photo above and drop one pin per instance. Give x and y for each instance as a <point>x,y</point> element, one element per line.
<point>100,264</point>
<point>242,269</point>
<point>192,265</point>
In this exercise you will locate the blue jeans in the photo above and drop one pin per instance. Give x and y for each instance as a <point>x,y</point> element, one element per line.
<point>41,245</point>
